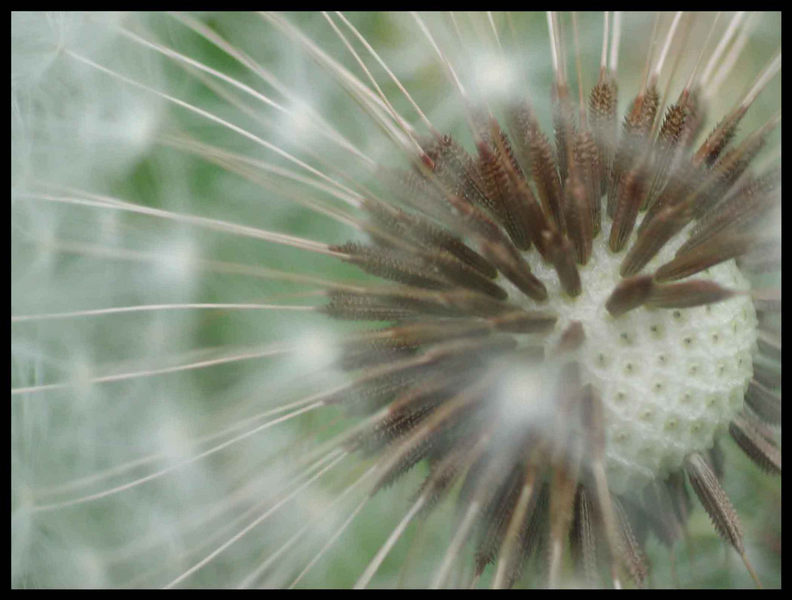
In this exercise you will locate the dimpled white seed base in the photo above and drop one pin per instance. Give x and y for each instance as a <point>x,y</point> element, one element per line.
<point>669,379</point>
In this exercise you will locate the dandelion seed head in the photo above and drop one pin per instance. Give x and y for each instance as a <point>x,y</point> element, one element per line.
<point>63,108</point>
<point>653,419</point>
<point>422,330</point>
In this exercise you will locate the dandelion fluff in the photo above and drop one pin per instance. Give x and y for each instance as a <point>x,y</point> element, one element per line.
<point>395,300</point>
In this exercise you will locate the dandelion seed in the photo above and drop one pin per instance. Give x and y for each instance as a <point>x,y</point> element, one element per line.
<point>289,290</point>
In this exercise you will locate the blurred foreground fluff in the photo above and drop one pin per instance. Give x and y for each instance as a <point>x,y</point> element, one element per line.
<point>396,300</point>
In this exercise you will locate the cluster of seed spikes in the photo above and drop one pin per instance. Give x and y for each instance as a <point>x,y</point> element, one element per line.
<point>482,266</point>
<point>556,327</point>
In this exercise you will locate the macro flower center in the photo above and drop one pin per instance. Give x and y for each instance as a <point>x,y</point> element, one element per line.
<point>669,379</point>
<point>424,300</point>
